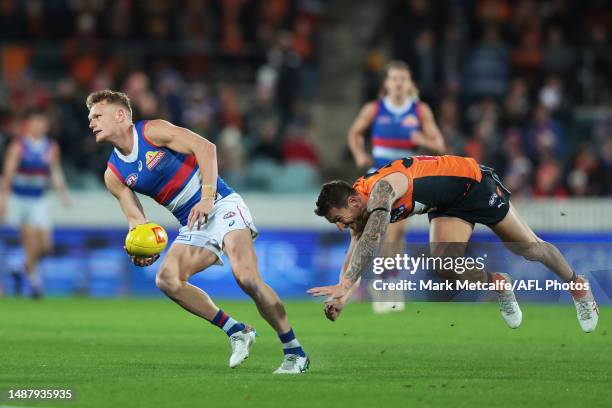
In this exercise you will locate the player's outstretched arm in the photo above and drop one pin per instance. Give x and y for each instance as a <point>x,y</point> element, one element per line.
<point>356,132</point>
<point>182,140</point>
<point>384,193</point>
<point>57,175</point>
<point>332,311</point>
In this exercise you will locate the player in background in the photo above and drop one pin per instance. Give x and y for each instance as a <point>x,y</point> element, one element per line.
<point>400,125</point>
<point>178,169</point>
<point>456,193</point>
<point>32,163</point>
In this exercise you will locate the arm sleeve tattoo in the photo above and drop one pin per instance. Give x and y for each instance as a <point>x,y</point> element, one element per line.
<point>381,197</point>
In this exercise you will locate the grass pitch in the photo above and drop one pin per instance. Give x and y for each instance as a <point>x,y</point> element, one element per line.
<point>151,353</point>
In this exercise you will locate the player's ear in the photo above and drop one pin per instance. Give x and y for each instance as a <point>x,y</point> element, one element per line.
<point>120,115</point>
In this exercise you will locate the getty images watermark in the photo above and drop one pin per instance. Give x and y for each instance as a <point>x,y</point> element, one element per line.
<point>463,267</point>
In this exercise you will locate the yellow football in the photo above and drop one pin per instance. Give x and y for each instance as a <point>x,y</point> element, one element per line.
<point>146,240</point>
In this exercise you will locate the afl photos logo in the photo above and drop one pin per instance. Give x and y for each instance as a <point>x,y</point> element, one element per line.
<point>131,180</point>
<point>153,159</point>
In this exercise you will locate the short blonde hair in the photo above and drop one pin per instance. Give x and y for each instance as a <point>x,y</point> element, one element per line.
<point>115,97</point>
<point>400,66</point>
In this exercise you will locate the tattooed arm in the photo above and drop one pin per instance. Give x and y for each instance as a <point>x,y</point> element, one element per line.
<point>379,209</point>
<point>385,192</point>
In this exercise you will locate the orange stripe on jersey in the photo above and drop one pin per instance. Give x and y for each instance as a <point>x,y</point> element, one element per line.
<point>418,167</point>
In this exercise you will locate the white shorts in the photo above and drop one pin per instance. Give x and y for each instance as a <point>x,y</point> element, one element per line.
<point>228,214</point>
<point>32,211</point>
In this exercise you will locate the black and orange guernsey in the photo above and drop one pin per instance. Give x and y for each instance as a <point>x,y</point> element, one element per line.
<point>443,186</point>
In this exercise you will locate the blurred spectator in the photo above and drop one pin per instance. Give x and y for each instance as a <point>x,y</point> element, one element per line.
<point>516,103</point>
<point>548,180</point>
<point>545,136</point>
<point>487,70</point>
<point>518,169</point>
<point>558,57</point>
<point>299,147</point>
<point>266,146</point>
<point>231,156</point>
<point>449,121</point>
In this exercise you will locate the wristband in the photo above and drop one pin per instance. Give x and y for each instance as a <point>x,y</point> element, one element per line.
<point>208,191</point>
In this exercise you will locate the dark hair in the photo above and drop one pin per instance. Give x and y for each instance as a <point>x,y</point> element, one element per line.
<point>109,96</point>
<point>334,194</point>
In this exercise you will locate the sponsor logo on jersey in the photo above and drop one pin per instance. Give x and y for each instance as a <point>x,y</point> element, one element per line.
<point>232,223</point>
<point>229,214</point>
<point>139,165</point>
<point>410,121</point>
<point>131,180</point>
<point>153,158</point>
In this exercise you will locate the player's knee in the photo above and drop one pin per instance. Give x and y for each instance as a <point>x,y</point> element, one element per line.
<point>248,280</point>
<point>167,281</point>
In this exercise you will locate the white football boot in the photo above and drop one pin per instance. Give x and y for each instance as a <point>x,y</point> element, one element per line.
<point>508,306</point>
<point>293,364</point>
<point>586,309</point>
<point>241,343</point>
<point>382,307</point>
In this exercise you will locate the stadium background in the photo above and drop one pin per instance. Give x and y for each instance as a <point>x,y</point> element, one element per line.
<point>524,87</point>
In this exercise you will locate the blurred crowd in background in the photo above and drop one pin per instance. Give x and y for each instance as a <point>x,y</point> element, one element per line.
<point>513,84</point>
<point>238,72</point>
<point>523,86</point>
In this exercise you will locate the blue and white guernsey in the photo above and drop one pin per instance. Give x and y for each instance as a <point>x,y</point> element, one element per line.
<point>172,179</point>
<point>34,168</point>
<point>392,130</point>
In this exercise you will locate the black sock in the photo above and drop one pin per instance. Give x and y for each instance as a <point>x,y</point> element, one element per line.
<point>573,277</point>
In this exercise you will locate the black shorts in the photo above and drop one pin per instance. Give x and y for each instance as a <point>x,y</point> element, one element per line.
<point>486,202</point>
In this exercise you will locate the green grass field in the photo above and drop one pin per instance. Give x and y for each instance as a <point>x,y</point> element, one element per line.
<point>150,353</point>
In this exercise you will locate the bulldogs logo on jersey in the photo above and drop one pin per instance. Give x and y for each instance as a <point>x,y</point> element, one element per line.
<point>410,121</point>
<point>131,180</point>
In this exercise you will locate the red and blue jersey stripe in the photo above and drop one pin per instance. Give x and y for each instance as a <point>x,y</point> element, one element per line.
<point>392,130</point>
<point>34,169</point>
<point>172,179</point>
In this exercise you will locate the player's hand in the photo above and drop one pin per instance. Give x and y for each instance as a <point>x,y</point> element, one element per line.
<point>143,260</point>
<point>198,216</point>
<point>418,138</point>
<point>333,309</point>
<point>334,292</point>
<point>364,161</point>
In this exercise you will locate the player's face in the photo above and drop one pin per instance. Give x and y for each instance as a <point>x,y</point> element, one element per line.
<point>351,216</point>
<point>398,83</point>
<point>37,126</point>
<point>103,120</point>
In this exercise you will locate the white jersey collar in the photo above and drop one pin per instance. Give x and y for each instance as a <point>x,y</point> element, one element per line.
<point>397,110</point>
